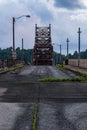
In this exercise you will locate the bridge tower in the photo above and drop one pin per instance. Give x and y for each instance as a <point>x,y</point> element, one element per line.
<point>43,49</point>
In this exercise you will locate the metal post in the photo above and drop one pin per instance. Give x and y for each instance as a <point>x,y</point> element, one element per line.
<point>67,47</point>
<point>22,44</point>
<point>22,49</point>
<point>60,53</point>
<point>13,19</point>
<point>79,32</point>
<point>13,52</point>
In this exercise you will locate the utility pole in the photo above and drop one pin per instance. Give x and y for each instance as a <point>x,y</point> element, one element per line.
<point>14,56</point>
<point>22,44</point>
<point>67,47</point>
<point>60,52</point>
<point>79,32</point>
<point>13,20</point>
<point>22,49</point>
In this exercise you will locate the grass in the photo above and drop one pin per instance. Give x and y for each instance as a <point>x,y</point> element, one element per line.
<point>35,117</point>
<point>62,80</point>
<point>61,67</point>
<point>15,67</point>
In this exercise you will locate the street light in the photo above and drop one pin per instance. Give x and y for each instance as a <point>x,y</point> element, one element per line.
<point>13,22</point>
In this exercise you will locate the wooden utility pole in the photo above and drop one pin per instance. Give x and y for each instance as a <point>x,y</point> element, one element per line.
<point>67,47</point>
<point>79,32</point>
<point>22,49</point>
<point>60,52</point>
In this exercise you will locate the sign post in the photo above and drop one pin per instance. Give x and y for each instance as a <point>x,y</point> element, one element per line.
<point>14,55</point>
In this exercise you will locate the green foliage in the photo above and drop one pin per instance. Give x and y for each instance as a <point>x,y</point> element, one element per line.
<point>26,54</point>
<point>6,53</point>
<point>83,55</point>
<point>63,80</point>
<point>15,67</point>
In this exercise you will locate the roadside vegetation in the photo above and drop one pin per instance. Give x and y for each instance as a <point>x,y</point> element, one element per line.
<point>64,80</point>
<point>15,67</point>
<point>6,54</point>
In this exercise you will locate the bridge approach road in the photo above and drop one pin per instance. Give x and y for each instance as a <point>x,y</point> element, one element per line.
<point>62,106</point>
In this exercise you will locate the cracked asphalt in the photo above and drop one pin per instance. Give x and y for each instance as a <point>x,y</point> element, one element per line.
<point>62,106</point>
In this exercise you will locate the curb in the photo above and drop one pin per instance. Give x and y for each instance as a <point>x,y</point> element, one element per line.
<point>5,71</point>
<point>75,70</point>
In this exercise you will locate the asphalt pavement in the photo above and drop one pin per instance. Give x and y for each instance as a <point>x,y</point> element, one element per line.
<point>62,106</point>
<point>16,116</point>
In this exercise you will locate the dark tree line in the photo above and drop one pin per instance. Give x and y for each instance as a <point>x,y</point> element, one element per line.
<point>27,55</point>
<point>83,55</point>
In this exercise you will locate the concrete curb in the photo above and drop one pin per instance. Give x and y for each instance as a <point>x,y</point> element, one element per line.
<point>79,70</point>
<point>8,70</point>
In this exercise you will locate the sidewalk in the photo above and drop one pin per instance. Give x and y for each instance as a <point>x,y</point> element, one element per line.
<point>77,69</point>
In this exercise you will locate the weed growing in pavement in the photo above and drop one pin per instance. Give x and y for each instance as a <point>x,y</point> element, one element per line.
<point>63,80</point>
<point>61,67</point>
<point>35,117</point>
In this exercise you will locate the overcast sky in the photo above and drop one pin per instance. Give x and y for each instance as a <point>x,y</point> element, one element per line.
<point>65,17</point>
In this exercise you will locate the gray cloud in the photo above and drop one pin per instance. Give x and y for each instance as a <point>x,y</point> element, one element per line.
<point>40,10</point>
<point>64,24</point>
<point>69,4</point>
